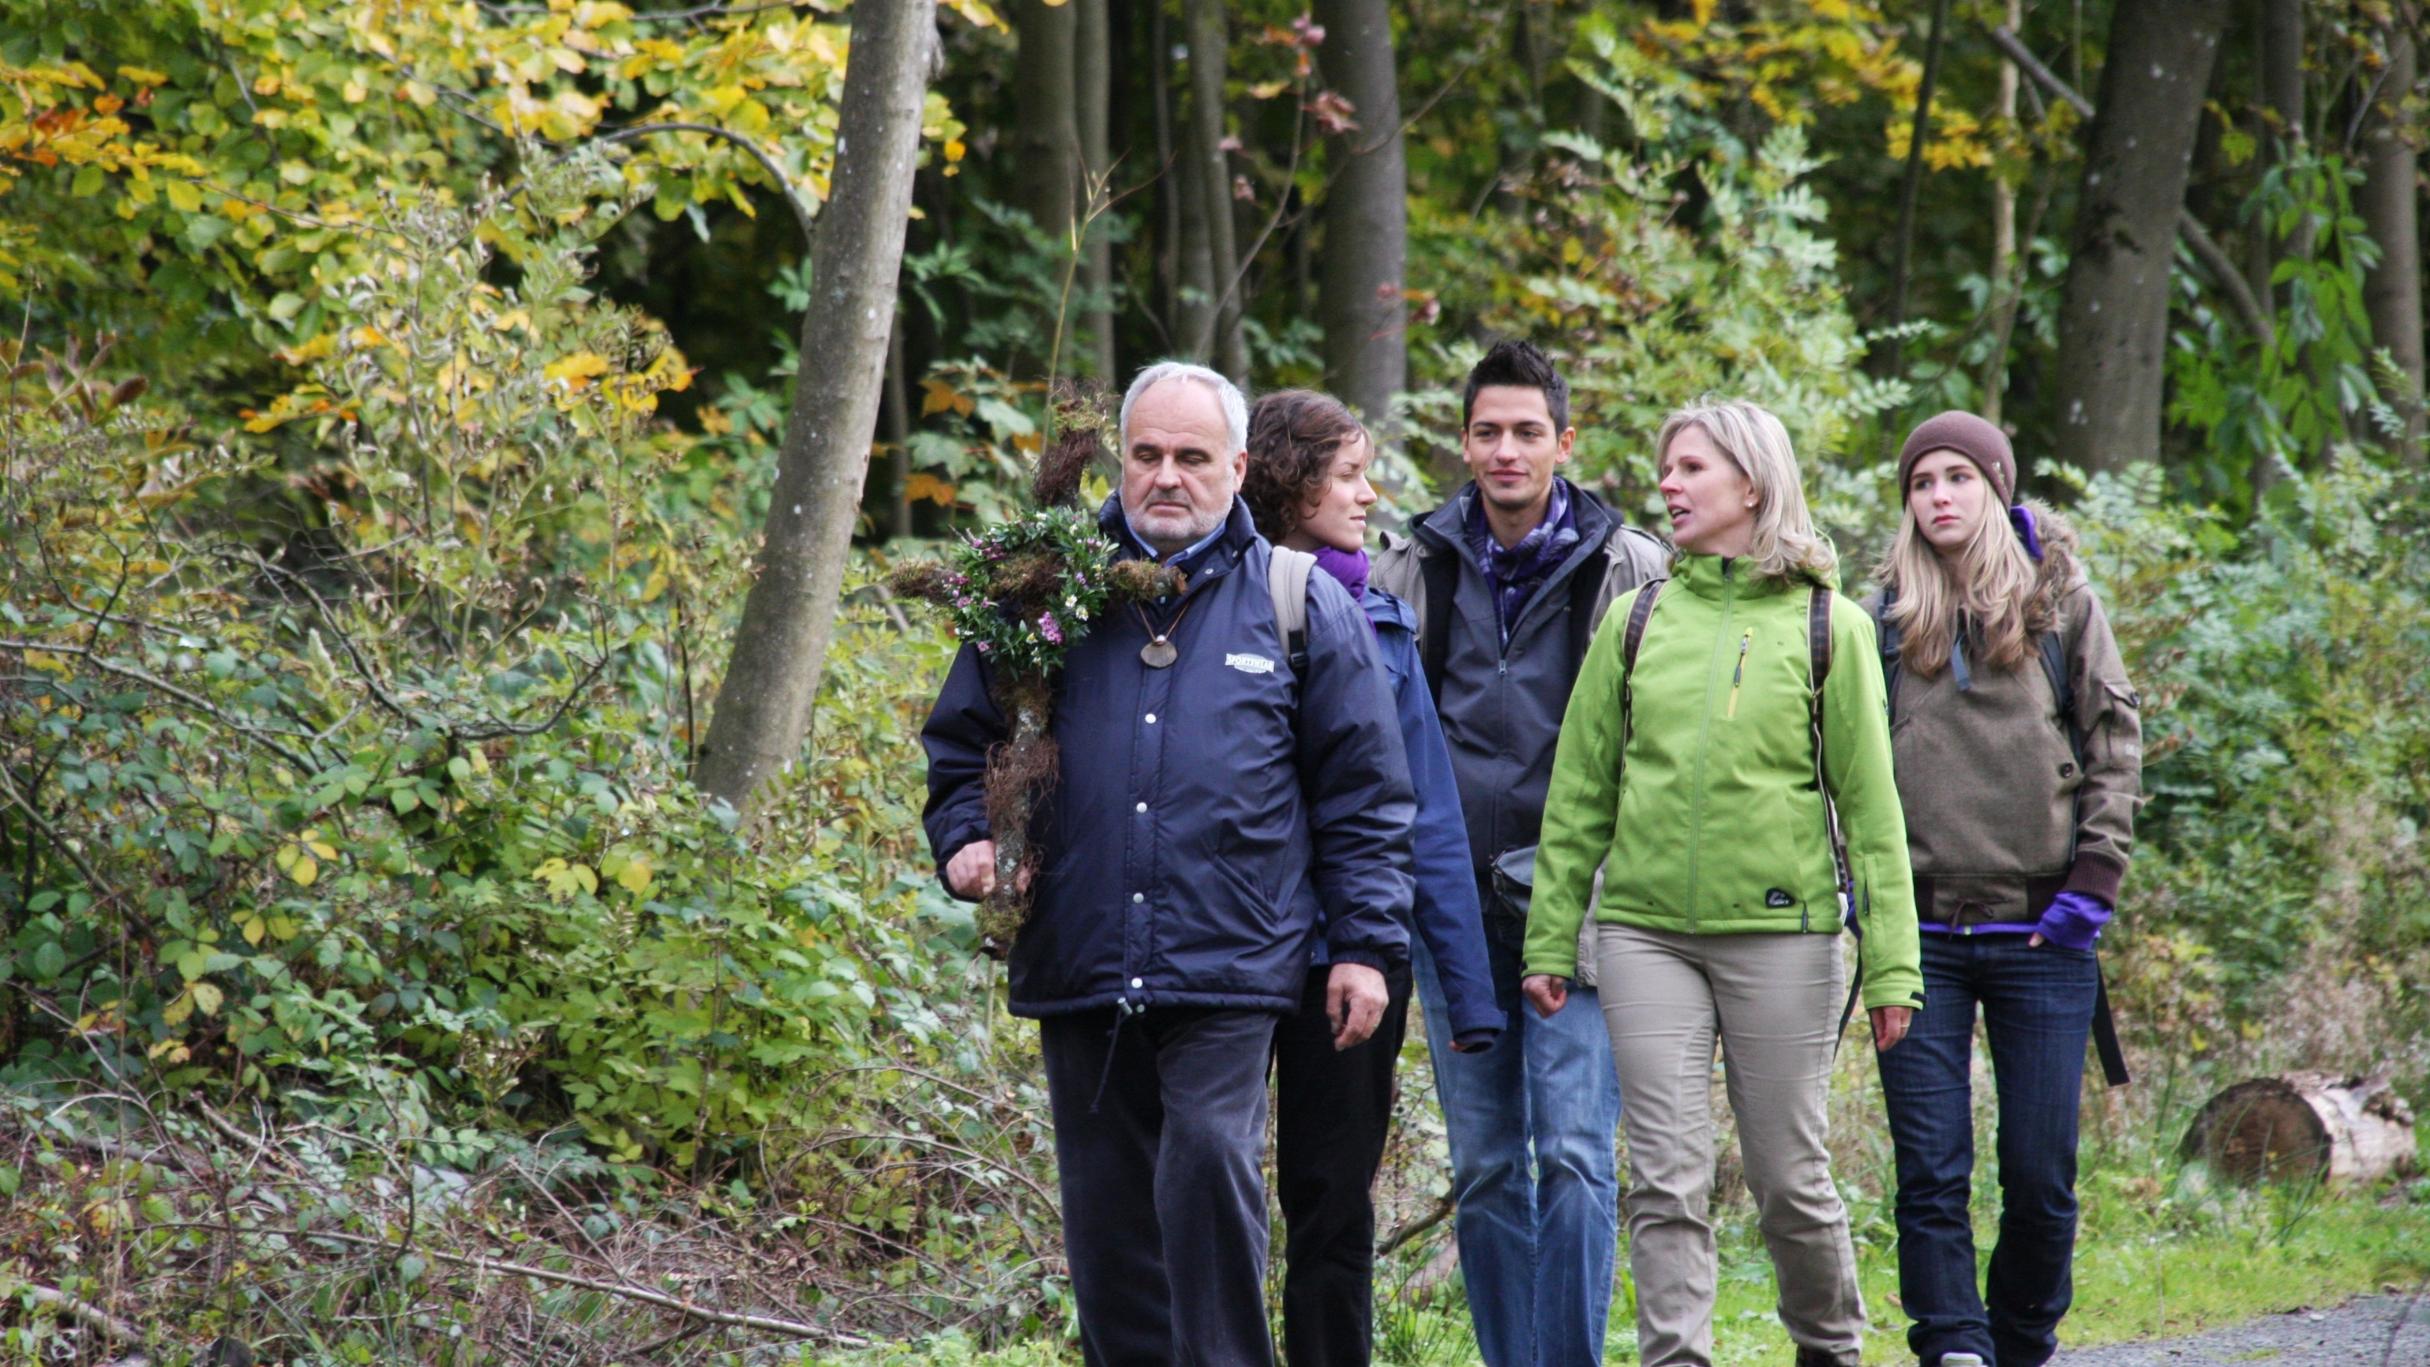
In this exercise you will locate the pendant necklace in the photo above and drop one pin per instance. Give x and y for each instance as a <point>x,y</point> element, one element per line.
<point>1160,652</point>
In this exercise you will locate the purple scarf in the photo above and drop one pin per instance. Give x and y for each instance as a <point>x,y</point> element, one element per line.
<point>1350,567</point>
<point>1514,573</point>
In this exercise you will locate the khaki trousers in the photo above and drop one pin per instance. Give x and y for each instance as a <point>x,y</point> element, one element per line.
<point>1771,1002</point>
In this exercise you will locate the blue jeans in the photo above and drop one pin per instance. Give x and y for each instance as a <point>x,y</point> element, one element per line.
<point>1532,1124</point>
<point>2037,1005</point>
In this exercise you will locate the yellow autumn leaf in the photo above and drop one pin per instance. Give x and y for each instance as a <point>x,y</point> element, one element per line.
<point>923,485</point>
<point>635,875</point>
<point>207,997</point>
<point>575,371</point>
<point>305,870</point>
<point>654,586</point>
<point>254,928</point>
<point>176,1012</point>
<point>143,75</point>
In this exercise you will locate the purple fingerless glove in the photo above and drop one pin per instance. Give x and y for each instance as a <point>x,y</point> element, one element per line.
<point>2074,920</point>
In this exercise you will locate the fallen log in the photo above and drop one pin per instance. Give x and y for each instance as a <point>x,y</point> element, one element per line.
<point>2304,1127</point>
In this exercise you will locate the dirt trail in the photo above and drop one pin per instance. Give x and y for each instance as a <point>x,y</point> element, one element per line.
<point>2394,1330</point>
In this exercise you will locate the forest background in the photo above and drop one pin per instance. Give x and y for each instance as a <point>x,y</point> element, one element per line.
<point>405,955</point>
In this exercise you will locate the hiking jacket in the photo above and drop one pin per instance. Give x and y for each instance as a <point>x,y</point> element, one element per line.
<point>1500,705</point>
<point>2003,814</point>
<point>1445,910</point>
<point>1202,813</point>
<point>1708,814</point>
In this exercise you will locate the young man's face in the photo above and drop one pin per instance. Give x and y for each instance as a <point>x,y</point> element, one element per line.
<point>1511,447</point>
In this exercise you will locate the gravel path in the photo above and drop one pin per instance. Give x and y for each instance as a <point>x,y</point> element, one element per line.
<point>2394,1330</point>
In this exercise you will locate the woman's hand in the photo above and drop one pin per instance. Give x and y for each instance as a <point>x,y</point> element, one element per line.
<point>1889,1025</point>
<point>1544,992</point>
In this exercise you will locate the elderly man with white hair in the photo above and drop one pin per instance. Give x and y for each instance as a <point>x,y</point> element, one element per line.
<point>1227,796</point>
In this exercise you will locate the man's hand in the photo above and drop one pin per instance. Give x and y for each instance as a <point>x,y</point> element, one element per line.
<point>972,870</point>
<point>1889,1025</point>
<point>1354,1003</point>
<point>1545,992</point>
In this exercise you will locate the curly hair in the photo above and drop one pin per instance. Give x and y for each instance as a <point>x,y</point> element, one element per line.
<point>1293,437</point>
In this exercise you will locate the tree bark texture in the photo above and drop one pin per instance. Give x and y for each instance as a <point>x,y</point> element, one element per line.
<point>1093,86</point>
<point>764,705</point>
<point>1204,29</point>
<point>1366,212</point>
<point>1911,185</point>
<point>2113,314</point>
<point>2003,242</point>
<point>2390,203</point>
<point>1047,137</point>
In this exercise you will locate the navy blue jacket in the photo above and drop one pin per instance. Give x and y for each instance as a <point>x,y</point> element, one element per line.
<point>1203,812</point>
<point>1445,911</point>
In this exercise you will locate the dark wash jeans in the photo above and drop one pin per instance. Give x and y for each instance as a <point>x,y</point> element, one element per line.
<point>1164,1205</point>
<point>1332,1113</point>
<point>2037,1005</point>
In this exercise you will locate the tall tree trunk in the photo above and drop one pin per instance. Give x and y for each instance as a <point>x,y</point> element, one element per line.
<point>2113,312</point>
<point>2003,243</point>
<point>1204,27</point>
<point>1046,98</point>
<point>1886,352</point>
<point>1093,87</point>
<point>1366,212</point>
<point>780,649</point>
<point>2390,202</point>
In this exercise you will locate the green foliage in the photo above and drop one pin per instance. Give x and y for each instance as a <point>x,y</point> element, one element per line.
<point>2281,879</point>
<point>1650,304</point>
<point>2284,402</point>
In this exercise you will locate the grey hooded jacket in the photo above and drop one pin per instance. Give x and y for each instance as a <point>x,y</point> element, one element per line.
<point>1501,706</point>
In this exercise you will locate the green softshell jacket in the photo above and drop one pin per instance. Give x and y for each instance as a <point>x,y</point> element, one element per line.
<point>1708,822</point>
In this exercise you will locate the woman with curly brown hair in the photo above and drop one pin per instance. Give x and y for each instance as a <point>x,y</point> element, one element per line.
<point>1307,486</point>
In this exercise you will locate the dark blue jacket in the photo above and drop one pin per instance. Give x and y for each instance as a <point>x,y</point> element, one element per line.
<point>1445,910</point>
<point>1203,812</point>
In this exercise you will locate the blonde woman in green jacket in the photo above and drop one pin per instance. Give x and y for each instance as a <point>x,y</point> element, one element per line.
<point>1690,781</point>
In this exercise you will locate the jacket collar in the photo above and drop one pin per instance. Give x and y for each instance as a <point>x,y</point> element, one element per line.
<point>1208,559</point>
<point>1716,577</point>
<point>1446,526</point>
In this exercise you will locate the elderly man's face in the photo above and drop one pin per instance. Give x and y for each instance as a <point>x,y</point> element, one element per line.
<point>1177,477</point>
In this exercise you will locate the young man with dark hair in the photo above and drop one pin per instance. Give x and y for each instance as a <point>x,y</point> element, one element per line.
<point>1508,581</point>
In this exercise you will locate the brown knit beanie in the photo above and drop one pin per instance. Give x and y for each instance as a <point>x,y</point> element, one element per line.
<point>1978,441</point>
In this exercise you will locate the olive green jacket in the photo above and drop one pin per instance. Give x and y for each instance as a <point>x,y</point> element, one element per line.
<point>2004,814</point>
<point>1704,815</point>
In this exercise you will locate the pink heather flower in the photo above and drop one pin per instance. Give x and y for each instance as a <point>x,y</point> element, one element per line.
<point>1050,629</point>
<point>984,646</point>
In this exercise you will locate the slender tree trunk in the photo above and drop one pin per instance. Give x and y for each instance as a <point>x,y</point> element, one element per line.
<point>2390,202</point>
<point>1047,132</point>
<point>1092,77</point>
<point>897,414</point>
<point>1173,188</point>
<point>780,649</point>
<point>1366,212</point>
<point>2005,291</point>
<point>1208,51</point>
<point>2113,313</point>
<point>1911,186</point>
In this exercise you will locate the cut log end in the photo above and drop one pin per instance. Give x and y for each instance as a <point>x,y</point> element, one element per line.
<point>2304,1127</point>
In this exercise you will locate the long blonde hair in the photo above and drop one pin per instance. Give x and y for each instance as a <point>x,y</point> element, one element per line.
<point>1785,543</point>
<point>1991,588</point>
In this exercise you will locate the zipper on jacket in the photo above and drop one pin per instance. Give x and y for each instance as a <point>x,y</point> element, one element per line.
<point>1738,672</point>
<point>1704,744</point>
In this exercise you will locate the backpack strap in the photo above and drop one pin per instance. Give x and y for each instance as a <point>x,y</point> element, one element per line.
<point>1818,670</point>
<point>1287,577</point>
<point>1631,638</point>
<point>1440,574</point>
<point>1886,633</point>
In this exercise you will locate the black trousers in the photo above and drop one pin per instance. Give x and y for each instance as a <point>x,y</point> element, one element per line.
<point>1160,1122</point>
<point>1332,1113</point>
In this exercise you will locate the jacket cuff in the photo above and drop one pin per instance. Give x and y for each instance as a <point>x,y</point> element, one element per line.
<point>1478,1040</point>
<point>1364,957</point>
<point>2096,876</point>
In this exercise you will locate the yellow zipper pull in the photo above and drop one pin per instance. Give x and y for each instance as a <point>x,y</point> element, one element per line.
<point>1738,672</point>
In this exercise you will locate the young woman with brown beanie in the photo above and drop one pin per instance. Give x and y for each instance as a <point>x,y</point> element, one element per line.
<point>2018,753</point>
